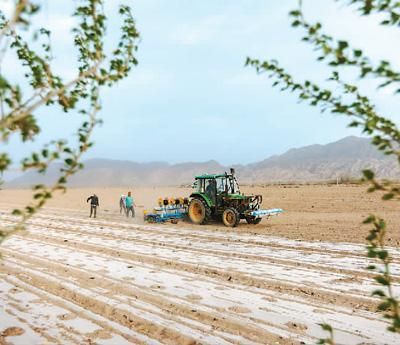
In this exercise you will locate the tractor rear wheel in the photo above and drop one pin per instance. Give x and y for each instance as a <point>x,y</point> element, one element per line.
<point>253,220</point>
<point>231,217</point>
<point>199,212</point>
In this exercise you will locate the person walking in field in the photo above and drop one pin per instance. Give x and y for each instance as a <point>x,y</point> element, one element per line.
<point>129,204</point>
<point>94,203</point>
<point>122,205</point>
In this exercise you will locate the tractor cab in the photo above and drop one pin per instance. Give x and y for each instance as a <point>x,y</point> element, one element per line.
<point>216,186</point>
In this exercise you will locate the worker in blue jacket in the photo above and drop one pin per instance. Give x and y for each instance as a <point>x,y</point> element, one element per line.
<point>129,204</point>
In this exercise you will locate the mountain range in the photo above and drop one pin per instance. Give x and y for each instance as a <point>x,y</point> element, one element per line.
<point>345,158</point>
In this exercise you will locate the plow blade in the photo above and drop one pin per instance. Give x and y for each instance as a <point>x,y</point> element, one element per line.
<point>266,213</point>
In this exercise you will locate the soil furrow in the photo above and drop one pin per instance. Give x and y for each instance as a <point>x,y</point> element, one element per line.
<point>99,304</point>
<point>320,261</point>
<point>312,292</point>
<point>135,295</point>
<point>342,249</point>
<point>341,329</point>
<point>50,306</point>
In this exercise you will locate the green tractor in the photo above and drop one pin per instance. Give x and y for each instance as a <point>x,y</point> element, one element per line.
<point>218,196</point>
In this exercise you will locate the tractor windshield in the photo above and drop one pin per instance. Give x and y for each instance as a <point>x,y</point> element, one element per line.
<point>227,185</point>
<point>233,186</point>
<point>200,185</point>
<point>221,185</point>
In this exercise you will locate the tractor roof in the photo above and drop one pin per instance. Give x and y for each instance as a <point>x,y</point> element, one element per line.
<point>209,176</point>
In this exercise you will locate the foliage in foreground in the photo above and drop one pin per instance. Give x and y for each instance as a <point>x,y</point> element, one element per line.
<point>345,98</point>
<point>20,102</point>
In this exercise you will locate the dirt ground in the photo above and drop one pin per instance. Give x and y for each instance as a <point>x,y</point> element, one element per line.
<point>312,212</point>
<point>111,280</point>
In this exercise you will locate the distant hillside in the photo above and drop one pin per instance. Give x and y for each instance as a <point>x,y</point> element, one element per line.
<point>114,173</point>
<point>343,158</point>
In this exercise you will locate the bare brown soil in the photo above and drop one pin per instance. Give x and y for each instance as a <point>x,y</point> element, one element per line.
<point>312,212</point>
<point>113,280</point>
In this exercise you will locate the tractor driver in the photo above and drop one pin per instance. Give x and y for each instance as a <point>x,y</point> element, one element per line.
<point>211,189</point>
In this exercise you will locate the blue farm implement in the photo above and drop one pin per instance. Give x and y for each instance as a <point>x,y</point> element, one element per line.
<point>266,213</point>
<point>168,210</point>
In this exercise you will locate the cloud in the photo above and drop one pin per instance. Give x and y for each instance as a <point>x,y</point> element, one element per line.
<point>234,24</point>
<point>363,32</point>
<point>7,7</point>
<point>61,25</point>
<point>247,78</point>
<point>202,31</point>
<point>146,79</point>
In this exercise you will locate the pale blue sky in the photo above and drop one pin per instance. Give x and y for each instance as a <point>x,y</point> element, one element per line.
<point>191,98</point>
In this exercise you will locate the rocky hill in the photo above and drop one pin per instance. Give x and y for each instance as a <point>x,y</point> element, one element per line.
<point>345,158</point>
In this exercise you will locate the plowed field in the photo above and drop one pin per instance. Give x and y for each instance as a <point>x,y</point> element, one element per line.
<point>74,280</point>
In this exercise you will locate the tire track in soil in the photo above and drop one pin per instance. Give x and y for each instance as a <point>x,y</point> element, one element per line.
<point>255,320</point>
<point>98,304</point>
<point>45,306</point>
<point>322,261</point>
<point>322,292</point>
<point>228,236</point>
<point>179,313</point>
<point>333,297</point>
<point>347,250</point>
<point>192,278</point>
<point>278,255</point>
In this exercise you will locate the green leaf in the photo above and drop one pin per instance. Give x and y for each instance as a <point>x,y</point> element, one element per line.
<point>16,212</point>
<point>384,306</point>
<point>370,219</point>
<point>382,280</point>
<point>296,23</point>
<point>295,13</point>
<point>368,174</point>
<point>30,209</point>
<point>354,124</point>
<point>68,161</point>
<point>45,153</point>
<point>62,180</point>
<point>379,293</point>
<point>326,327</point>
<point>388,196</point>
<point>343,45</point>
<point>383,254</point>
<point>37,196</point>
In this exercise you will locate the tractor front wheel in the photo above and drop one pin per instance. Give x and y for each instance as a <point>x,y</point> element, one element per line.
<point>231,217</point>
<point>199,212</point>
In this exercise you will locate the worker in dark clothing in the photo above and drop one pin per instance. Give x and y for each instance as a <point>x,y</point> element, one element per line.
<point>122,205</point>
<point>94,203</point>
<point>211,189</point>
